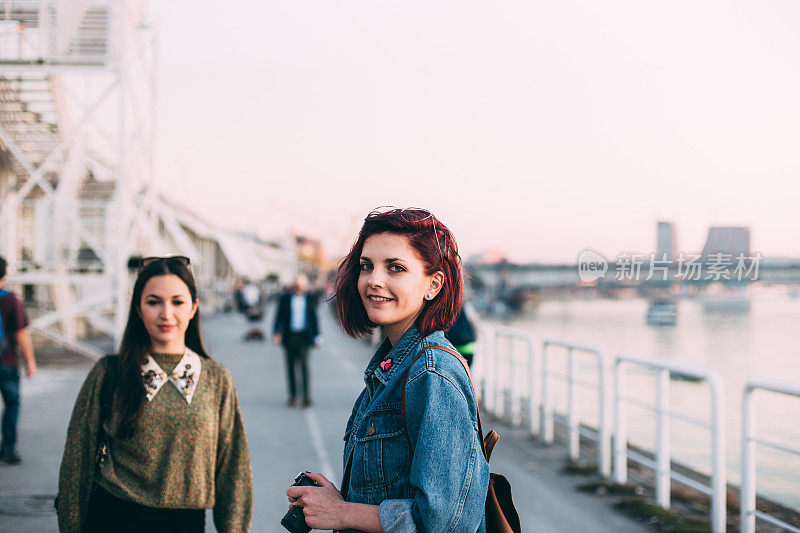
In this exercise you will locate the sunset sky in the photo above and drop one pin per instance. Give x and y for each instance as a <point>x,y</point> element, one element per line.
<point>533,128</point>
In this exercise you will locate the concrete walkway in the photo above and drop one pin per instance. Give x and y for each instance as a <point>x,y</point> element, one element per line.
<point>284,441</point>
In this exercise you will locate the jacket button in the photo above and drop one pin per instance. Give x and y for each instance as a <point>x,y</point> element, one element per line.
<point>371,430</point>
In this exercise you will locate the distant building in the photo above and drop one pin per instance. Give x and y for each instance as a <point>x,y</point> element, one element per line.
<point>729,240</point>
<point>665,241</point>
<point>311,252</point>
<point>487,257</point>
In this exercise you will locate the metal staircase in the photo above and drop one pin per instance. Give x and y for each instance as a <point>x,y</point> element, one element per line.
<point>71,75</point>
<point>77,92</point>
<point>28,117</point>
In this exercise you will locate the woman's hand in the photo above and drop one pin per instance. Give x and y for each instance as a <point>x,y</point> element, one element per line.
<point>323,506</point>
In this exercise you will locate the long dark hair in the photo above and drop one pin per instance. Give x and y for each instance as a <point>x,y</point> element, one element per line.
<point>136,342</point>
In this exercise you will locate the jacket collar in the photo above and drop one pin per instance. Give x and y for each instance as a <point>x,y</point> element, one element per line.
<point>388,359</point>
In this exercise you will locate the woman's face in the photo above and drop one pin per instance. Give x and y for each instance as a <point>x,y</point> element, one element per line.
<point>393,284</point>
<point>166,308</point>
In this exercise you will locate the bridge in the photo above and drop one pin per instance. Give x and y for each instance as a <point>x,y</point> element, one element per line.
<point>566,276</point>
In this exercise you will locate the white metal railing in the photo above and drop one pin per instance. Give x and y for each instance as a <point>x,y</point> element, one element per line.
<point>63,30</point>
<point>749,441</point>
<point>603,434</point>
<point>498,390</point>
<point>661,465</point>
<point>497,397</point>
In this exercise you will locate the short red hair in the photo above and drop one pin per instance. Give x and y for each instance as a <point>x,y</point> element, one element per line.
<point>436,247</point>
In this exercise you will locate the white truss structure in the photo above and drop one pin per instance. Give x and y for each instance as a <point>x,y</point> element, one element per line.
<point>77,133</point>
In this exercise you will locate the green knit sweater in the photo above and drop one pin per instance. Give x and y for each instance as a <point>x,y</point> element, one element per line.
<point>182,455</point>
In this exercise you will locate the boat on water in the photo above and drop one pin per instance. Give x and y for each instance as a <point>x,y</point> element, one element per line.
<point>662,312</point>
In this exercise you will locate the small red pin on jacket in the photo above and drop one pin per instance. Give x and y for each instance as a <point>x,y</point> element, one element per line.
<point>386,364</point>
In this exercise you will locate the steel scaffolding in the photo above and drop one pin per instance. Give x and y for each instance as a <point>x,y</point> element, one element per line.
<point>77,136</point>
<point>77,132</point>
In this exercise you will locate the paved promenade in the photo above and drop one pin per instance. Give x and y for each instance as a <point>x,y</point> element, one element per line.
<point>283,441</point>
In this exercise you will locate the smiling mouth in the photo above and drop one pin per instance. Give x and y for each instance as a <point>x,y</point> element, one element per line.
<point>379,299</point>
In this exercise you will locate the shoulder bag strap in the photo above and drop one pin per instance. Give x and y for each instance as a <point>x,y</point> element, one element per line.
<point>487,444</point>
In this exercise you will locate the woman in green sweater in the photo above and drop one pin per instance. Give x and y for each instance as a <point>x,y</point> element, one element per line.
<point>175,442</point>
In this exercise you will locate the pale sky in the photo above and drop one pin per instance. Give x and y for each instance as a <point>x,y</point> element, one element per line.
<point>538,128</point>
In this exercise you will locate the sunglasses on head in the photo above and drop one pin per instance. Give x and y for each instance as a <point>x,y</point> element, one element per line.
<point>182,259</point>
<point>408,214</point>
<point>412,215</point>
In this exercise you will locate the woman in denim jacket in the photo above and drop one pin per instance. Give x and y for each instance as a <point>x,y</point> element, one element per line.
<point>429,474</point>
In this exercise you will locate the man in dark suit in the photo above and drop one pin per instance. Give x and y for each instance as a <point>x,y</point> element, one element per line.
<point>297,329</point>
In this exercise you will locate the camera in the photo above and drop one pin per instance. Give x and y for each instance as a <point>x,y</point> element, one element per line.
<point>295,520</point>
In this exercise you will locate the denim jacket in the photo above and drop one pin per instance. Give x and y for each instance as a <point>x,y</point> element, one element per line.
<point>439,483</point>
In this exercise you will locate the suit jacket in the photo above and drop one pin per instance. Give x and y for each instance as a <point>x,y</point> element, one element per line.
<point>283,317</point>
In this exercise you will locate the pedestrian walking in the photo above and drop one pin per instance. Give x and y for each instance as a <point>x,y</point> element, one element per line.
<point>413,459</point>
<point>14,337</point>
<point>156,434</point>
<point>297,329</point>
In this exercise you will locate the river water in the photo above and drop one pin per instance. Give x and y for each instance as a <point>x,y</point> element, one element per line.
<point>757,336</point>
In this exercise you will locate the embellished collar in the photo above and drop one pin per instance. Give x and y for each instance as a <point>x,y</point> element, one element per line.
<point>184,376</point>
<point>388,358</point>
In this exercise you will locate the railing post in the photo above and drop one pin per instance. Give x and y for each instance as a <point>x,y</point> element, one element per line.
<point>748,492</point>
<point>534,390</point>
<point>620,429</point>
<point>488,367</point>
<point>547,411</point>
<point>662,439</point>
<point>604,438</point>
<point>499,390</point>
<point>572,416</point>
<point>45,33</point>
<point>718,472</point>
<point>512,382</point>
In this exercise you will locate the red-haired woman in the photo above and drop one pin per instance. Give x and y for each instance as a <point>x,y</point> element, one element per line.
<point>422,470</point>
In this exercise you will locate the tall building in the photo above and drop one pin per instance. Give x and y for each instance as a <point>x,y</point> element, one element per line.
<point>729,240</point>
<point>665,241</point>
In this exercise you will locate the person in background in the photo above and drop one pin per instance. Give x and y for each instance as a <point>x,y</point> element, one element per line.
<point>462,335</point>
<point>297,329</point>
<point>253,301</point>
<point>13,333</point>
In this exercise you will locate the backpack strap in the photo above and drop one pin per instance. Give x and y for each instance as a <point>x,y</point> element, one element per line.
<point>3,339</point>
<point>488,442</point>
<point>3,293</point>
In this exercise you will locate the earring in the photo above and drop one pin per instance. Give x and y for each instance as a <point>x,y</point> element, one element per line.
<point>428,296</point>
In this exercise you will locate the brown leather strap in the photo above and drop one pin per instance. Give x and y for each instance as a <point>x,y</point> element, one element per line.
<point>489,441</point>
<point>487,449</point>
